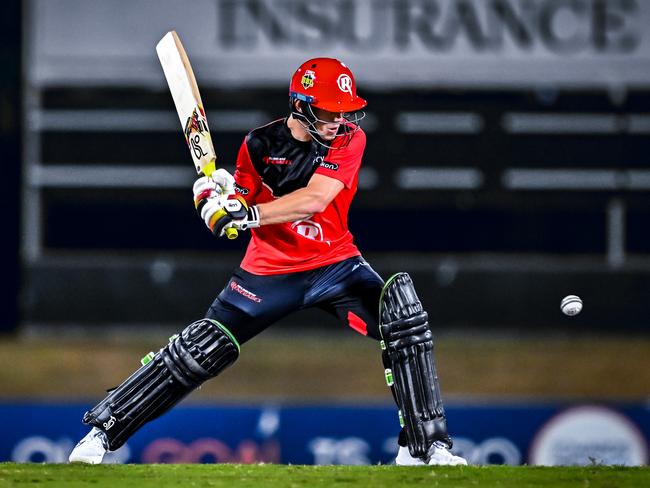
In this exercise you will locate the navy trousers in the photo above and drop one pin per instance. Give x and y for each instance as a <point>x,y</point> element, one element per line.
<point>350,290</point>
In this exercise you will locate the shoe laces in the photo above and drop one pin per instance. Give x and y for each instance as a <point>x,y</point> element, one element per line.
<point>97,434</point>
<point>440,448</point>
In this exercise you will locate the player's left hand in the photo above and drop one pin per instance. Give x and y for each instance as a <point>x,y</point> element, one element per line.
<point>219,183</point>
<point>223,212</point>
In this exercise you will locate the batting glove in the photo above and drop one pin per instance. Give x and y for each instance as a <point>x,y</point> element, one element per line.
<point>219,183</point>
<point>221,213</point>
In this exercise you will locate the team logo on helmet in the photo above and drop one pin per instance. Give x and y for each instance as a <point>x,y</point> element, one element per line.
<point>345,83</point>
<point>308,78</point>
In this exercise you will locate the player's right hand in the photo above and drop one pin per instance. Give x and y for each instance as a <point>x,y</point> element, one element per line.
<point>222,213</point>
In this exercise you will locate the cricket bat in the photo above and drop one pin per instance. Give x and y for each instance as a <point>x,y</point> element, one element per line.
<point>187,99</point>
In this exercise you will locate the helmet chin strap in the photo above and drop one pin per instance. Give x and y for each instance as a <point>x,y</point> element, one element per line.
<point>309,120</point>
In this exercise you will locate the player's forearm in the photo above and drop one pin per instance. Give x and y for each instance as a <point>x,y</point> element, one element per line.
<point>300,204</point>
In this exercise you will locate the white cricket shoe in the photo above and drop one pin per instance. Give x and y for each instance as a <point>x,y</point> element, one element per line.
<point>404,458</point>
<point>90,449</point>
<point>439,455</point>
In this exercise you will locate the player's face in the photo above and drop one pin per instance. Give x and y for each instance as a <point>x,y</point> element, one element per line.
<point>328,123</point>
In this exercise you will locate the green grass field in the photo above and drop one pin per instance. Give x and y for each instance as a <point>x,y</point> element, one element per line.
<point>228,475</point>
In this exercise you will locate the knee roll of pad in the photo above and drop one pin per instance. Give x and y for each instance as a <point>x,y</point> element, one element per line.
<point>409,346</point>
<point>200,352</point>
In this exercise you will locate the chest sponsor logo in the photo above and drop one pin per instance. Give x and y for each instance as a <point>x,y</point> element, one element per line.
<point>236,287</point>
<point>308,229</point>
<point>276,160</point>
<point>328,165</point>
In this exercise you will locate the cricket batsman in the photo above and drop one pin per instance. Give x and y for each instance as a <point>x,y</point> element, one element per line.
<point>294,181</point>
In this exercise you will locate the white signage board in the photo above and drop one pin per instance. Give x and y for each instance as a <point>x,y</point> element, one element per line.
<point>387,43</point>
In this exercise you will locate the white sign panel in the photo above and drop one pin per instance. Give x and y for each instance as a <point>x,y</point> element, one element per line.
<point>582,436</point>
<point>387,43</point>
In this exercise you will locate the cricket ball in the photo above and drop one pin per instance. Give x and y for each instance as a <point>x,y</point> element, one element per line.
<point>571,305</point>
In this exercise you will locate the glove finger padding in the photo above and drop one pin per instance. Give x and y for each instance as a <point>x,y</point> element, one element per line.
<point>204,189</point>
<point>210,207</point>
<point>225,181</point>
<point>202,184</point>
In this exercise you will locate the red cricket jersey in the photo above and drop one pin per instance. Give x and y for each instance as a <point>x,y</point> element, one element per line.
<point>270,164</point>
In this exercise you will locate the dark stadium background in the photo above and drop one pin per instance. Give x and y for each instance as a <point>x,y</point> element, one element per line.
<point>498,198</point>
<point>501,196</point>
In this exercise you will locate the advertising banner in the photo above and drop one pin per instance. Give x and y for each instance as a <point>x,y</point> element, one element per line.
<point>388,43</point>
<point>514,435</point>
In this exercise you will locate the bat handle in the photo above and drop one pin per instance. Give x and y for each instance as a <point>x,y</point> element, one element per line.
<point>207,170</point>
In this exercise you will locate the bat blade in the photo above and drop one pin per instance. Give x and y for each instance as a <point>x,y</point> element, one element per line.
<point>187,99</point>
<point>189,106</point>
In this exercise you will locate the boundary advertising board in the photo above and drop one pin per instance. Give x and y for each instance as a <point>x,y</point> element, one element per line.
<point>497,434</point>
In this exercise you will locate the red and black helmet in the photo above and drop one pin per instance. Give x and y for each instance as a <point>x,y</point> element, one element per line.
<point>326,83</point>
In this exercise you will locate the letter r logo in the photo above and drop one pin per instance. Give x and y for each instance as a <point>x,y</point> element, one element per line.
<point>345,83</point>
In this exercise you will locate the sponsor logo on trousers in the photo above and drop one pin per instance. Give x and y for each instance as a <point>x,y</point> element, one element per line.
<point>243,291</point>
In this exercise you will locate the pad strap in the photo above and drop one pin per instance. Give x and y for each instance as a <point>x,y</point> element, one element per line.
<point>202,351</point>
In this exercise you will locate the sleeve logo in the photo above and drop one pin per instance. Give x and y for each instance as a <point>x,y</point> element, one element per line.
<point>241,190</point>
<point>328,165</point>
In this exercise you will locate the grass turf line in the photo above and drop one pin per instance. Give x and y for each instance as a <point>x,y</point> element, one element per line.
<point>273,475</point>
